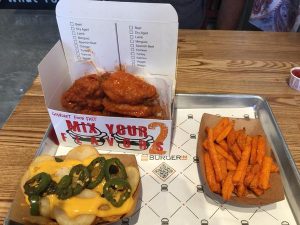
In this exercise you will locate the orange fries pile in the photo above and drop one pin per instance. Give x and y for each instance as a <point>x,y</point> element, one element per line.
<point>236,162</point>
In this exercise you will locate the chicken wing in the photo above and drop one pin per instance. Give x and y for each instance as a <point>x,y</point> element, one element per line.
<point>128,110</point>
<point>125,88</point>
<point>85,94</point>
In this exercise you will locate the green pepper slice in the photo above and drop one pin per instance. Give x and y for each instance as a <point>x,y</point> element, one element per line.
<point>80,178</point>
<point>64,189</point>
<point>111,189</point>
<point>57,159</point>
<point>96,171</point>
<point>51,189</point>
<point>37,184</point>
<point>114,169</point>
<point>34,205</point>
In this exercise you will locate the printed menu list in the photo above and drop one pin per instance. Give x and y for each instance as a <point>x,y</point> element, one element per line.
<point>140,45</point>
<point>82,41</point>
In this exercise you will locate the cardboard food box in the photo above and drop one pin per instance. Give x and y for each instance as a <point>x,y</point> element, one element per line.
<point>253,127</point>
<point>141,37</point>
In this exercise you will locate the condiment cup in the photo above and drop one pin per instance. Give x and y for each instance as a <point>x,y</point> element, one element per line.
<point>294,79</point>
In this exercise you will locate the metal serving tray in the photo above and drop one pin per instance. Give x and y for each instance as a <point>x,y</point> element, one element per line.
<point>172,191</point>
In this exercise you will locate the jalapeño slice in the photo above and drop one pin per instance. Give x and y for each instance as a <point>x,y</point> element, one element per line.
<point>34,205</point>
<point>51,189</point>
<point>80,178</point>
<point>96,172</point>
<point>117,191</point>
<point>37,184</point>
<point>114,169</point>
<point>64,189</point>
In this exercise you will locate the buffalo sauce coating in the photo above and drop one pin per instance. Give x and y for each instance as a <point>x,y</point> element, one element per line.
<point>125,88</point>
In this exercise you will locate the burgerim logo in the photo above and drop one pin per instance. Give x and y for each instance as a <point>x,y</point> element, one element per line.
<point>145,157</point>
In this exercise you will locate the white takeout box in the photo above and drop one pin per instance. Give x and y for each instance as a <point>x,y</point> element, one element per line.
<point>139,36</point>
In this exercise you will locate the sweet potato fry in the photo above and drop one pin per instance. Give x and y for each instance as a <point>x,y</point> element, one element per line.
<point>220,127</point>
<point>210,174</point>
<point>251,174</point>
<point>225,132</point>
<point>228,186</point>
<point>214,156</point>
<point>254,182</point>
<point>264,176</point>
<point>240,172</point>
<point>257,191</point>
<point>225,154</point>
<point>223,166</point>
<point>205,144</point>
<point>236,151</point>
<point>230,166</point>
<point>224,145</point>
<point>253,150</point>
<point>241,190</point>
<point>261,149</point>
<point>241,139</point>
<point>231,137</point>
<point>274,168</point>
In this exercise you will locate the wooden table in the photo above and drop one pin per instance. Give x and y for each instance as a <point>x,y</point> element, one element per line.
<point>209,62</point>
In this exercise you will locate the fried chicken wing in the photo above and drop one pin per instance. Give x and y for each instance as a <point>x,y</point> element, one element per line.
<point>85,94</point>
<point>128,110</point>
<point>125,88</point>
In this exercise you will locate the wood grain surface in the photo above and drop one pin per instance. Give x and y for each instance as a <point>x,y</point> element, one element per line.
<point>208,62</point>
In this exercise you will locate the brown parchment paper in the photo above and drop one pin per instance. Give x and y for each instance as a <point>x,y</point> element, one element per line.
<point>253,127</point>
<point>20,210</point>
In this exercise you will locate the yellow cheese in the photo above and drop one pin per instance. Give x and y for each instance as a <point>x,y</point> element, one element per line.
<point>75,205</point>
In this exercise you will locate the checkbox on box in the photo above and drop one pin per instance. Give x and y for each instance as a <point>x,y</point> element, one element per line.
<point>130,27</point>
<point>132,53</point>
<point>131,36</point>
<point>73,32</point>
<point>132,57</point>
<point>130,31</point>
<point>132,49</point>
<point>131,41</point>
<point>131,45</point>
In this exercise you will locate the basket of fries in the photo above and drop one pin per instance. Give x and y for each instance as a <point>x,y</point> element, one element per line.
<point>236,164</point>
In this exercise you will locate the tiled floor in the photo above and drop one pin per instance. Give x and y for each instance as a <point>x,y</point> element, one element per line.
<point>25,37</point>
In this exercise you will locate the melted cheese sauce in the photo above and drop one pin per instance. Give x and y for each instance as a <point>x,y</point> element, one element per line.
<point>76,205</point>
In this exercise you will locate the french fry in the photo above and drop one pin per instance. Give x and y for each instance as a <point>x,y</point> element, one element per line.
<point>220,127</point>
<point>241,139</point>
<point>230,166</point>
<point>231,137</point>
<point>254,182</point>
<point>210,174</point>
<point>227,187</point>
<point>257,191</point>
<point>236,151</point>
<point>264,176</point>
<point>225,154</point>
<point>250,175</point>
<point>225,132</point>
<point>261,149</point>
<point>224,145</point>
<point>223,166</point>
<point>213,156</point>
<point>274,168</point>
<point>205,144</point>
<point>241,190</point>
<point>240,172</point>
<point>254,150</point>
